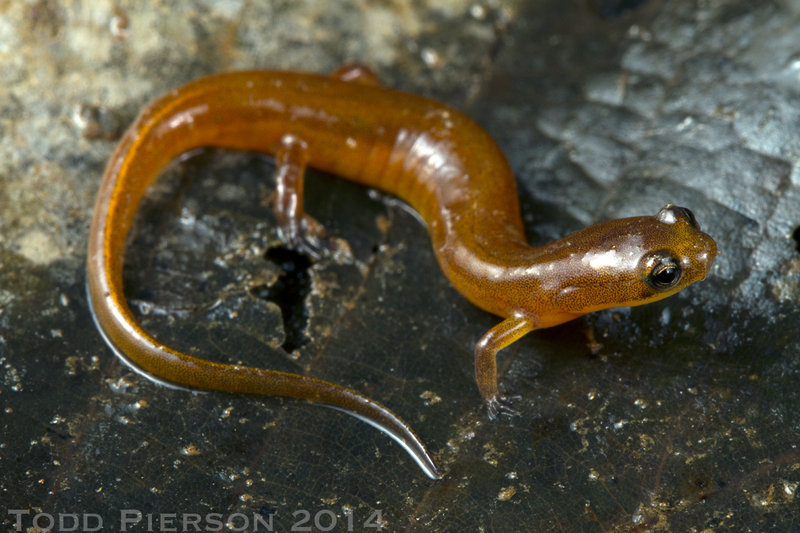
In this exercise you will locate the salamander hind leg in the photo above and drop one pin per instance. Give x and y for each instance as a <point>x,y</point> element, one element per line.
<point>298,230</point>
<point>497,338</point>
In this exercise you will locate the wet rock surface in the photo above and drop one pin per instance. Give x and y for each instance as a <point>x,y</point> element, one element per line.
<point>677,415</point>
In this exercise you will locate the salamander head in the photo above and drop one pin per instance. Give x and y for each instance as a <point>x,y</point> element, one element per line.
<point>687,257</point>
<point>632,261</point>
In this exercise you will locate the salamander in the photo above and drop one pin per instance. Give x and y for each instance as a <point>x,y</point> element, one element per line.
<point>427,154</point>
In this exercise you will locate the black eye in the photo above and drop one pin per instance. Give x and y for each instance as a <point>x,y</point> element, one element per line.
<point>670,214</point>
<point>687,213</point>
<point>665,273</point>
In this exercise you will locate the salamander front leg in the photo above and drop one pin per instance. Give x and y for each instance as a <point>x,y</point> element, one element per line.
<point>497,338</point>
<point>298,230</point>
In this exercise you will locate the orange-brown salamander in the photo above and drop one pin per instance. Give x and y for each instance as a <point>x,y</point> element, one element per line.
<point>427,154</point>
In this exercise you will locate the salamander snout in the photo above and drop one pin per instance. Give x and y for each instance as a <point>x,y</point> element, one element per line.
<point>696,249</point>
<point>705,252</point>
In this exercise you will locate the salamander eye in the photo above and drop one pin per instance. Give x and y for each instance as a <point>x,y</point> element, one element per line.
<point>664,273</point>
<point>690,217</point>
<point>671,213</point>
